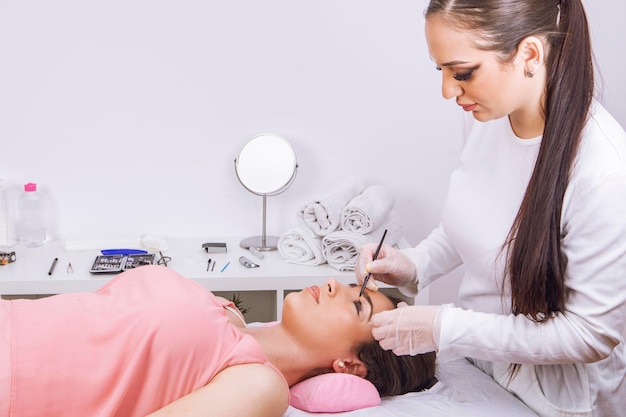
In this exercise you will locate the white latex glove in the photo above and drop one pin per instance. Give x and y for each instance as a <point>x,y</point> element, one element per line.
<point>406,330</point>
<point>392,267</point>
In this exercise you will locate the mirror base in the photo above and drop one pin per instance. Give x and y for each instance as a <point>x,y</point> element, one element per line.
<point>271,243</point>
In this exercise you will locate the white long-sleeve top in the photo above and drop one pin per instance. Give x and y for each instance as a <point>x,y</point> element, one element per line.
<point>576,360</point>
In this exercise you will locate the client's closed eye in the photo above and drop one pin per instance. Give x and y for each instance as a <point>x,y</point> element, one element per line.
<point>359,307</point>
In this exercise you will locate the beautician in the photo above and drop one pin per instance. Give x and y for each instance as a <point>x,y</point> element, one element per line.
<point>536,213</point>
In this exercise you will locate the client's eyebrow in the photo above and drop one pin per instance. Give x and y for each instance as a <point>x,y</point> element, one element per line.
<point>369,300</point>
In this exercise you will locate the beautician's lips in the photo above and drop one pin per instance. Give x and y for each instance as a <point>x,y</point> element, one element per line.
<point>315,292</point>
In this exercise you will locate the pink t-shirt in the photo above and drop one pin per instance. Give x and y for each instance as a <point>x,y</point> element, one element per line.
<point>146,338</point>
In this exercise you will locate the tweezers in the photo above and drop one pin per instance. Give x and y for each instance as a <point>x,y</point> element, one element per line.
<point>367,277</point>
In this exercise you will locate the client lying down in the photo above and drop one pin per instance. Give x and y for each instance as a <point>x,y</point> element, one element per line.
<point>152,341</point>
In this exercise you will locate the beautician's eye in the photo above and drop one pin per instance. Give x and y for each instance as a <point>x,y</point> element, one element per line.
<point>463,77</point>
<point>460,76</point>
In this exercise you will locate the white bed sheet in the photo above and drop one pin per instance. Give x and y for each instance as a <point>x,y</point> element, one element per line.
<point>462,391</point>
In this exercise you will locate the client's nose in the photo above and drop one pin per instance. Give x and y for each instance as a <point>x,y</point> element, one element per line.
<point>331,287</point>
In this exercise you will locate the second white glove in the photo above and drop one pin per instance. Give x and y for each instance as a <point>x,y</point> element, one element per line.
<point>406,330</point>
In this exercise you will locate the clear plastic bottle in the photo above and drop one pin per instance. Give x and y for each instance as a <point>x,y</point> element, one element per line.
<point>7,237</point>
<point>31,217</point>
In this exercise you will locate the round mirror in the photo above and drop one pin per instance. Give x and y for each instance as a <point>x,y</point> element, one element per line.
<point>265,166</point>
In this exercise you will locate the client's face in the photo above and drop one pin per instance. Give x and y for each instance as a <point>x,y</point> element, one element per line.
<point>332,316</point>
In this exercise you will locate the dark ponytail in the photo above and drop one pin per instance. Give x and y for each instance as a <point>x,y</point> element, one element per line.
<point>536,262</point>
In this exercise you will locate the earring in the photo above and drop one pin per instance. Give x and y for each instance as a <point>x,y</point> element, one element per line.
<point>530,73</point>
<point>341,364</point>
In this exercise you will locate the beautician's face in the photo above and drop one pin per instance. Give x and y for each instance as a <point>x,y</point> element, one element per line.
<point>330,315</point>
<point>479,82</point>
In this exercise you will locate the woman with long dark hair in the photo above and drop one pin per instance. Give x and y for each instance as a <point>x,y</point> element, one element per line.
<point>536,212</point>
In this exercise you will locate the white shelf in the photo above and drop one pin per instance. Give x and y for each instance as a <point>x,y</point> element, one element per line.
<point>29,274</point>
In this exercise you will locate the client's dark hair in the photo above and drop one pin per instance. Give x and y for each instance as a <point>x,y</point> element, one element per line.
<point>396,375</point>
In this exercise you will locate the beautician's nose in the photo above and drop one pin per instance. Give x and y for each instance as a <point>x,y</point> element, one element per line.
<point>450,87</point>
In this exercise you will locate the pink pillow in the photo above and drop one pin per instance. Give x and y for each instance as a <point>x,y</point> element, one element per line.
<point>333,393</point>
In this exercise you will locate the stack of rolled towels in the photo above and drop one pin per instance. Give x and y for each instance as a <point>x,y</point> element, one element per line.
<point>333,226</point>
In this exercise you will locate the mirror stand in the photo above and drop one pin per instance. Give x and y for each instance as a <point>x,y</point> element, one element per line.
<point>265,166</point>
<point>263,242</point>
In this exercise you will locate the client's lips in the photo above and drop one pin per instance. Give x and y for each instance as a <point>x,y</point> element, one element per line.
<point>315,293</point>
<point>468,107</point>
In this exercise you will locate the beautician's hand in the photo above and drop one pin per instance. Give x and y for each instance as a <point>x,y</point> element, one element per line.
<point>391,267</point>
<point>406,330</point>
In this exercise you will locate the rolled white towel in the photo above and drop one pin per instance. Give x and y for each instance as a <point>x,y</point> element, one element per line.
<point>323,215</point>
<point>368,210</point>
<point>300,245</point>
<point>341,248</point>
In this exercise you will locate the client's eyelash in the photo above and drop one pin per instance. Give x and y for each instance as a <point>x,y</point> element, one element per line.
<point>359,306</point>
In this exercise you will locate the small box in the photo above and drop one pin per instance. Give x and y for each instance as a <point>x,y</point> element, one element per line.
<point>214,247</point>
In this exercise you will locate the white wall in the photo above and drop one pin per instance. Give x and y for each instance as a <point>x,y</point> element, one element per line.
<point>129,114</point>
